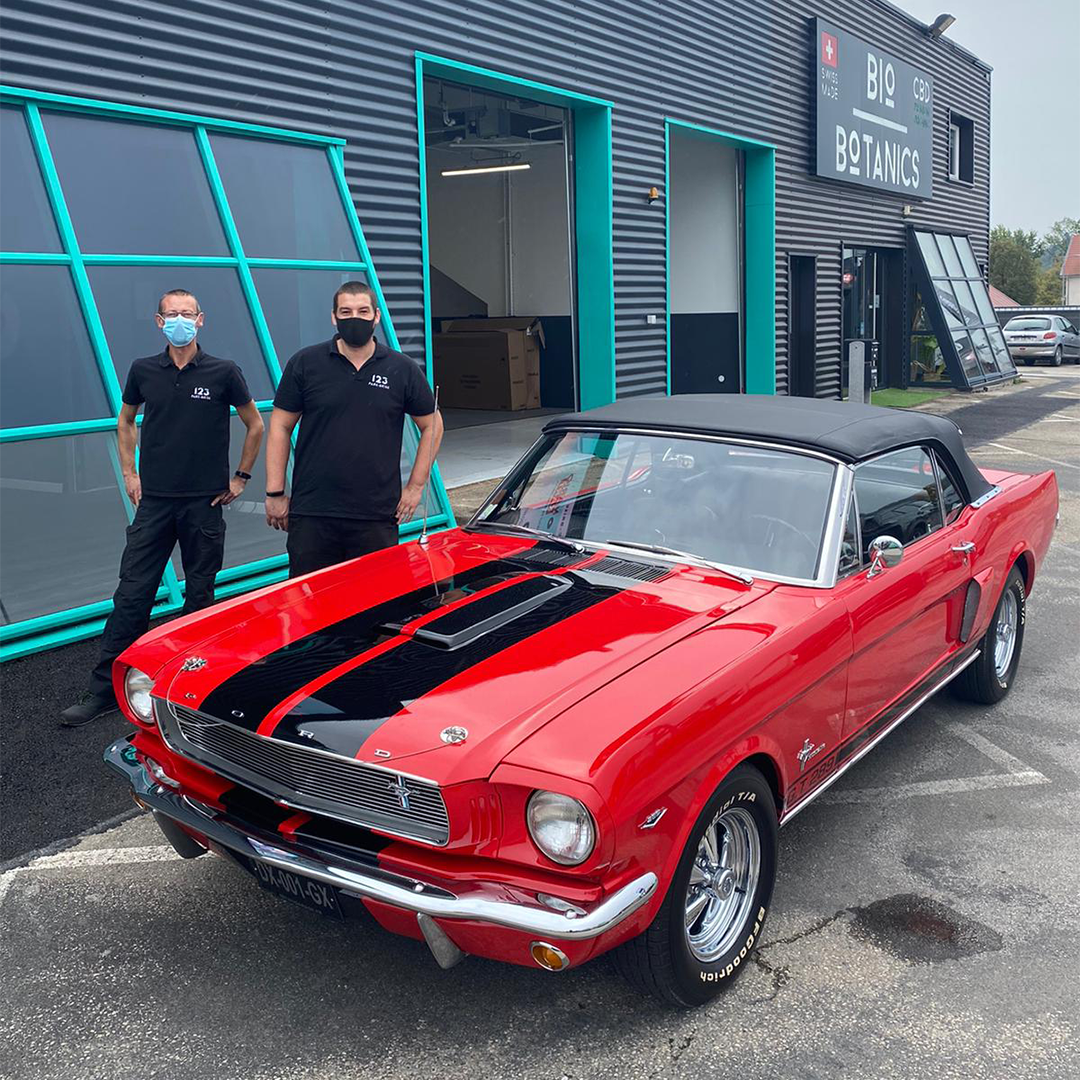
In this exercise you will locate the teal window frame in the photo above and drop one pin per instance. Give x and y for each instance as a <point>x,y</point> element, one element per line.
<point>74,624</point>
<point>759,261</point>
<point>593,213</point>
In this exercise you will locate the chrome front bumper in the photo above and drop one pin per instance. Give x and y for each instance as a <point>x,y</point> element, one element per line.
<point>487,902</point>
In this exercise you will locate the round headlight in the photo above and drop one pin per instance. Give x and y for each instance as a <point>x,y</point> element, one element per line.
<point>561,827</point>
<point>137,687</point>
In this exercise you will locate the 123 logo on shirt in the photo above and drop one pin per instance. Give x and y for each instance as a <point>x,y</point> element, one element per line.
<point>380,381</point>
<point>201,393</point>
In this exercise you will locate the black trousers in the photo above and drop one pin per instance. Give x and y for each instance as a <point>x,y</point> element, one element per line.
<point>159,524</point>
<point>315,542</point>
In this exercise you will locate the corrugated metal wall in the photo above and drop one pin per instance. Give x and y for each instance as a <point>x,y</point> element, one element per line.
<point>347,69</point>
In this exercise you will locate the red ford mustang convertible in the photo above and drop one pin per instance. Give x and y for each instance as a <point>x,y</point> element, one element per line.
<point>576,723</point>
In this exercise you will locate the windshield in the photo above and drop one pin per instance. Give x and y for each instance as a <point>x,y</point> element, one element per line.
<point>1028,324</point>
<point>758,509</point>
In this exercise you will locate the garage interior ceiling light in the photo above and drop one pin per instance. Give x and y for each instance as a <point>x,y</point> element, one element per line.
<point>486,169</point>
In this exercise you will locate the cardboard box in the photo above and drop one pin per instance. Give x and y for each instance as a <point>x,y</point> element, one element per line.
<point>479,371</point>
<point>506,372</point>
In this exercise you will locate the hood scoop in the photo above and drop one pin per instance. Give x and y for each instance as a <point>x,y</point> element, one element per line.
<point>463,625</point>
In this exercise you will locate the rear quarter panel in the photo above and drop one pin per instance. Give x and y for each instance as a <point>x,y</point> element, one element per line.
<point>1016,524</point>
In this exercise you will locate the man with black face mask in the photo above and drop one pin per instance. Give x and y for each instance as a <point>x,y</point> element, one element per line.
<point>353,394</point>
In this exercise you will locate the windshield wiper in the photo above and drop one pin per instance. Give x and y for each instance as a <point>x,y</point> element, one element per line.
<point>526,530</point>
<point>662,549</point>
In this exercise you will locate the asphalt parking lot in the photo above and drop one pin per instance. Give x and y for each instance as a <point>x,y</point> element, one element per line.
<point>926,920</point>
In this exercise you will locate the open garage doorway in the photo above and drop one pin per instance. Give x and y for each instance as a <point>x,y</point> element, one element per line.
<point>516,193</point>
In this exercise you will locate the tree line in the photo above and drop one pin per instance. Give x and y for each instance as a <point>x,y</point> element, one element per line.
<point>1027,266</point>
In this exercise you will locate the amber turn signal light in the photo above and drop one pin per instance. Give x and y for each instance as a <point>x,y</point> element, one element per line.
<point>549,957</point>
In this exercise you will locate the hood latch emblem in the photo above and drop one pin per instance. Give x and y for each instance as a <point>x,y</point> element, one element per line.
<point>453,735</point>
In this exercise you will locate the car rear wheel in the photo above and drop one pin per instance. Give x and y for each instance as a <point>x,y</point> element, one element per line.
<point>989,678</point>
<point>1057,357</point>
<point>715,906</point>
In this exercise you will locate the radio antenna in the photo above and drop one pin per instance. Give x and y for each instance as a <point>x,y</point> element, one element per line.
<point>431,465</point>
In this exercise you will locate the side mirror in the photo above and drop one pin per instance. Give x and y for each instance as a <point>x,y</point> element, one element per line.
<point>885,553</point>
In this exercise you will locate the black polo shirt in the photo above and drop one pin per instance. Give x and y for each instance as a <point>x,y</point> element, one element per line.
<point>184,448</point>
<point>348,451</point>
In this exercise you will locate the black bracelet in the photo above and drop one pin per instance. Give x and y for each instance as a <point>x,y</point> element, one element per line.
<point>275,494</point>
<point>242,475</point>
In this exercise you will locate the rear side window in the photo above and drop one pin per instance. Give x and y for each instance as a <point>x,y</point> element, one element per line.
<point>951,498</point>
<point>897,495</point>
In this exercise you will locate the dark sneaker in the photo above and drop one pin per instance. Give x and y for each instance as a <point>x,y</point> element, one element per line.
<point>89,707</point>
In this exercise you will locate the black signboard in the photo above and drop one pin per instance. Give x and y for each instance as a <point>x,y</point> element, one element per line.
<point>874,116</point>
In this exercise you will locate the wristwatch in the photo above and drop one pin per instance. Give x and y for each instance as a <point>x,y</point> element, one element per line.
<point>242,475</point>
<point>275,494</point>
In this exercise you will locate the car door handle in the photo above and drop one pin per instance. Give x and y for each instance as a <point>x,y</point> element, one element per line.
<point>967,549</point>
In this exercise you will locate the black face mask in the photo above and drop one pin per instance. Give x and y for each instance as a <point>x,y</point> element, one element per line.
<point>356,332</point>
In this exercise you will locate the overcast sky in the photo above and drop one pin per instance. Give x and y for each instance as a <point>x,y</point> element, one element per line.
<point>1034,49</point>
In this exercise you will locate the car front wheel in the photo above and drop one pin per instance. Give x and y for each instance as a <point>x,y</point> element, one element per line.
<point>715,907</point>
<point>988,679</point>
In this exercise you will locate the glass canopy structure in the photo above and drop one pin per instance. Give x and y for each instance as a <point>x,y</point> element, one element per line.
<point>104,207</point>
<point>955,326</point>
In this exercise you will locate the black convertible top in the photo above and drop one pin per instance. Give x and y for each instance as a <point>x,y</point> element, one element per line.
<point>848,432</point>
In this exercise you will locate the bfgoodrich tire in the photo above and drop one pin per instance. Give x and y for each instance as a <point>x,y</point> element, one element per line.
<point>715,907</point>
<point>990,677</point>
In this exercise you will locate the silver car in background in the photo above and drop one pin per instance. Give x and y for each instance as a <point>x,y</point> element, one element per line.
<point>1042,337</point>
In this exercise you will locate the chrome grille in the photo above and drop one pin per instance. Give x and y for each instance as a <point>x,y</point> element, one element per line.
<point>309,779</point>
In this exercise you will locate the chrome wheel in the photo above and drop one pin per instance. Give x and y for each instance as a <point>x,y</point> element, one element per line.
<point>1008,618</point>
<point>723,881</point>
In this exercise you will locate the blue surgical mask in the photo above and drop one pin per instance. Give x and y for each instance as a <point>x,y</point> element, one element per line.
<point>179,330</point>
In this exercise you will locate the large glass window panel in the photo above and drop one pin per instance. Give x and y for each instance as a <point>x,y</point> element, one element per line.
<point>62,529</point>
<point>967,257</point>
<point>48,374</point>
<point>284,200</point>
<point>26,220</point>
<point>985,355</point>
<point>987,315</point>
<point>967,303</point>
<point>247,536</point>
<point>934,266</point>
<point>965,351</point>
<point>948,253</point>
<point>1001,350</point>
<point>134,188</point>
<point>127,298</point>
<point>950,306</point>
<point>297,305</point>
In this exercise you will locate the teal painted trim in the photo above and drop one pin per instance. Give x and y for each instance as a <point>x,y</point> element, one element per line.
<point>304,264</point>
<point>162,116</point>
<point>51,431</point>
<point>667,251</point>
<point>274,562</point>
<point>739,141</point>
<point>594,201</point>
<point>71,245</point>
<point>759,269</point>
<point>232,237</point>
<point>416,525</point>
<point>35,258</point>
<point>425,253</point>
<point>593,230</point>
<point>62,618</point>
<point>457,71</point>
<point>159,260</point>
<point>336,157</point>
<point>40,642</point>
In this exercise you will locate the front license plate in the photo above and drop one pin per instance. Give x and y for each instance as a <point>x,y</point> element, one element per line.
<point>312,894</point>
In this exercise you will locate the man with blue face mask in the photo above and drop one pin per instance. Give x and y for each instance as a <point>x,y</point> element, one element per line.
<point>180,486</point>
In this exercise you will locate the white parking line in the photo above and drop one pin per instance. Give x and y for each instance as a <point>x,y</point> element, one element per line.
<point>1016,774</point>
<point>1027,453</point>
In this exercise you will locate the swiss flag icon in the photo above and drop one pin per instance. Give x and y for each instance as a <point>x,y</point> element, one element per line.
<point>828,49</point>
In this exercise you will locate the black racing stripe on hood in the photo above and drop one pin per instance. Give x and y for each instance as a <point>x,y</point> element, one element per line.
<point>346,712</point>
<point>255,690</point>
